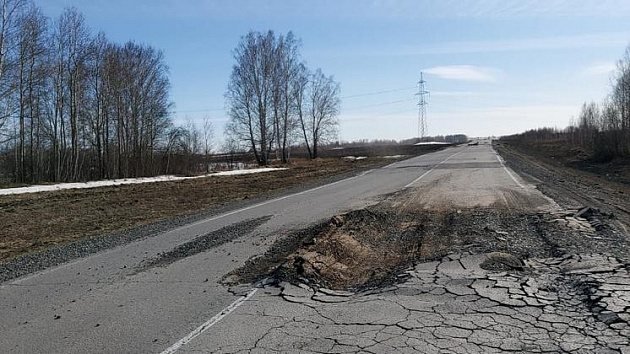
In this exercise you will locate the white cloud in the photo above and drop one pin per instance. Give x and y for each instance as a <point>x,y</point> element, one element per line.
<point>598,69</point>
<point>464,73</point>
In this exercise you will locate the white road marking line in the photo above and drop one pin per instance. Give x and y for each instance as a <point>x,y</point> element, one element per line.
<point>272,201</point>
<point>211,322</point>
<point>434,167</point>
<point>508,171</point>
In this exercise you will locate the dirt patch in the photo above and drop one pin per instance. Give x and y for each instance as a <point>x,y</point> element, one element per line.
<point>370,248</point>
<point>361,248</point>
<point>358,249</point>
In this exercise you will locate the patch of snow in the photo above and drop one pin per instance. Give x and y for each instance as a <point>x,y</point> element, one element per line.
<point>432,143</point>
<point>354,158</point>
<point>393,157</point>
<point>118,182</point>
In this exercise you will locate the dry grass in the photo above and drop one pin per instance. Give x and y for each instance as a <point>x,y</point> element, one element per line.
<point>33,222</point>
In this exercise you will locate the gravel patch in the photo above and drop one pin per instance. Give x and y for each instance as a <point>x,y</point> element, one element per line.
<point>204,243</point>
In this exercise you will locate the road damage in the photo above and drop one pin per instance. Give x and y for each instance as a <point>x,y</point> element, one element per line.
<point>410,275</point>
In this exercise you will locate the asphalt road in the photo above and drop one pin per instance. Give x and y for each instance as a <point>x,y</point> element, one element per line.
<point>101,303</point>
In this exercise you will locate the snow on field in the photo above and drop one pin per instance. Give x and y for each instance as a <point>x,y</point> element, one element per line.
<point>432,143</point>
<point>117,182</point>
<point>354,158</point>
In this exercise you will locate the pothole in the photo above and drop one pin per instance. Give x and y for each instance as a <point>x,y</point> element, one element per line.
<point>372,247</point>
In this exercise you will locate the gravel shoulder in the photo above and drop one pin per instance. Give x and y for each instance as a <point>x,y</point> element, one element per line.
<point>571,187</point>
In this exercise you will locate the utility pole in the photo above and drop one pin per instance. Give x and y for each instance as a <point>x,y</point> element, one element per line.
<point>422,108</point>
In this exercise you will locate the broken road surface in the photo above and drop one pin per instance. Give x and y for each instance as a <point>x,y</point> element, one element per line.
<point>447,306</point>
<point>164,293</point>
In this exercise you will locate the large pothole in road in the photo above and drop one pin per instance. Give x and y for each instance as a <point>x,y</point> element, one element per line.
<point>371,247</point>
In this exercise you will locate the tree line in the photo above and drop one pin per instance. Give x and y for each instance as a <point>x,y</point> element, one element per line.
<point>602,129</point>
<point>75,106</point>
<point>275,101</point>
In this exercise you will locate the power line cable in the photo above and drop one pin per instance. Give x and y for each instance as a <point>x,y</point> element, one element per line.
<point>379,92</point>
<point>343,97</point>
<point>377,105</point>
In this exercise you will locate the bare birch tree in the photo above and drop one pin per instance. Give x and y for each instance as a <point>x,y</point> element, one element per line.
<point>320,122</point>
<point>249,94</point>
<point>284,108</point>
<point>207,136</point>
<point>10,13</point>
<point>30,69</point>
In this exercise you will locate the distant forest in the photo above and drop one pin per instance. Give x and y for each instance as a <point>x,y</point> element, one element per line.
<point>601,129</point>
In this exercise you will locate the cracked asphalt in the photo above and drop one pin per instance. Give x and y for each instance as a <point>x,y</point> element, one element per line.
<point>572,304</point>
<point>576,302</point>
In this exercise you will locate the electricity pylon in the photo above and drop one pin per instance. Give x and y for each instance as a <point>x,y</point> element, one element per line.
<point>422,94</point>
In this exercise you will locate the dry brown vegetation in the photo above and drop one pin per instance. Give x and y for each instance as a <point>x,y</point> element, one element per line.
<point>32,222</point>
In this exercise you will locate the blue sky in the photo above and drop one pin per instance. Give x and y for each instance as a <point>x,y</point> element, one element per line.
<point>493,67</point>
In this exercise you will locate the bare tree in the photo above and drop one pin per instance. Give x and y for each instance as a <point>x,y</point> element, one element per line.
<point>621,99</point>
<point>175,143</point>
<point>207,136</point>
<point>76,36</point>
<point>588,122</point>
<point>10,13</point>
<point>249,94</point>
<point>30,62</point>
<point>271,95</point>
<point>138,104</point>
<point>284,108</point>
<point>192,138</point>
<point>299,93</point>
<point>97,118</point>
<point>320,123</point>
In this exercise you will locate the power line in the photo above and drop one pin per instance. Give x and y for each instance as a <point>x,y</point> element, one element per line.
<point>378,105</point>
<point>344,97</point>
<point>379,92</point>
